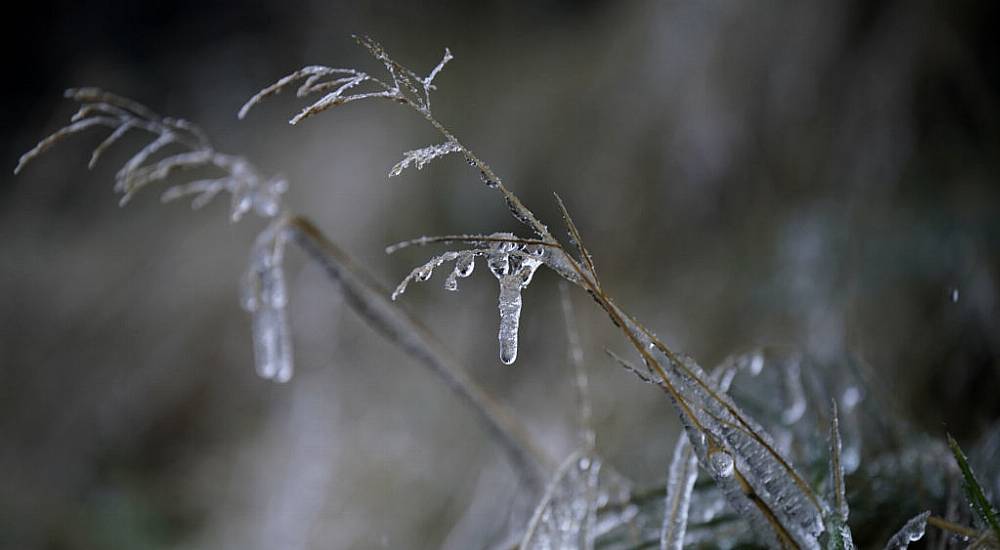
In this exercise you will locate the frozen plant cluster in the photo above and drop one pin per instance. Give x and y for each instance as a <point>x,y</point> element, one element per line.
<point>750,464</point>
<point>179,146</point>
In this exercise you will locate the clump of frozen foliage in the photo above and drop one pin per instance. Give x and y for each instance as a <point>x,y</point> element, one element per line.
<point>752,464</point>
<point>178,146</point>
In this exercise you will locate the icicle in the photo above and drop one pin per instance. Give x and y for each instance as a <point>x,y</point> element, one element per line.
<point>514,266</point>
<point>680,482</point>
<point>510,315</point>
<point>264,294</point>
<point>911,532</point>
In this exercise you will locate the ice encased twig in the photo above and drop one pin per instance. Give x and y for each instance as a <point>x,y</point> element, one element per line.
<point>265,296</point>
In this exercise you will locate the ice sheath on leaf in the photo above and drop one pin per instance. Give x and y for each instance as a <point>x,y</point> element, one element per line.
<point>759,483</point>
<point>684,466</point>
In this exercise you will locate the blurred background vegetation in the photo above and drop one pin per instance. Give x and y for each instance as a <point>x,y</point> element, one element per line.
<point>814,175</point>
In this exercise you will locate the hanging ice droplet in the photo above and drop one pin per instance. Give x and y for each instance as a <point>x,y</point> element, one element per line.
<point>953,295</point>
<point>911,532</point>
<point>464,265</point>
<point>721,463</point>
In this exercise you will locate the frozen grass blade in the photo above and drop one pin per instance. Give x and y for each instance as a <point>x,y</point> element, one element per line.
<point>574,352</point>
<point>836,523</point>
<point>974,491</point>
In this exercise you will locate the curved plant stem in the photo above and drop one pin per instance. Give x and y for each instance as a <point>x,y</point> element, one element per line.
<point>371,302</point>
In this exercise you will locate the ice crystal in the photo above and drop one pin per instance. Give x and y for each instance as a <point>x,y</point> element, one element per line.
<point>265,296</point>
<point>911,532</point>
<point>420,157</point>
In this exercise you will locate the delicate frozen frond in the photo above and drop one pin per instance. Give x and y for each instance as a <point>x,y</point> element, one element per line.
<point>429,80</point>
<point>248,187</point>
<point>911,532</point>
<point>339,85</point>
<point>340,81</point>
<point>265,296</point>
<point>464,264</point>
<point>420,157</point>
<point>566,517</point>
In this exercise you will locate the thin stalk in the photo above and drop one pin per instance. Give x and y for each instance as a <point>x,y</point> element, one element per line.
<point>369,300</point>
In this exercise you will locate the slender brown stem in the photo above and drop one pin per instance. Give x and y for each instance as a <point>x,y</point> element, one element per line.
<point>369,300</point>
<point>946,525</point>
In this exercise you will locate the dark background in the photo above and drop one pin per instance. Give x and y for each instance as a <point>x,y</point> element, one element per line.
<point>809,174</point>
